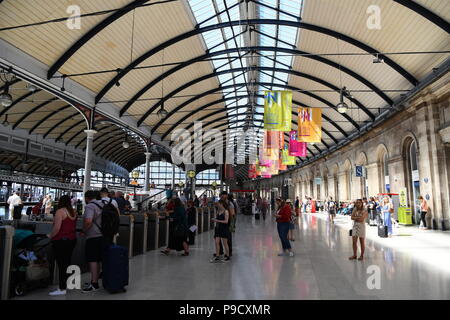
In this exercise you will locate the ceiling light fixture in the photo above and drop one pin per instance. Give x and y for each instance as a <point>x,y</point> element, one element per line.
<point>126,144</point>
<point>342,107</point>
<point>5,97</point>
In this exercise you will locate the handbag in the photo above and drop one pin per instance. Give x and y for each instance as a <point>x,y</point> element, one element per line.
<point>350,232</point>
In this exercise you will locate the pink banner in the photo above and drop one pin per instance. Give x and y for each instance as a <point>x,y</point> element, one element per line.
<point>252,171</point>
<point>297,149</point>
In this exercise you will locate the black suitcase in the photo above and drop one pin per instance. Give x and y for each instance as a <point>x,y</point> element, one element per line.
<point>257,216</point>
<point>115,269</point>
<point>382,231</point>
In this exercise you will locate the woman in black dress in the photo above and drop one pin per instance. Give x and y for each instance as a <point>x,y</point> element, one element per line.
<point>178,229</point>
<point>191,215</point>
<point>221,232</point>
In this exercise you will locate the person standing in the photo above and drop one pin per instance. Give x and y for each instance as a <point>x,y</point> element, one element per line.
<point>127,203</point>
<point>221,231</point>
<point>386,210</point>
<point>331,209</point>
<point>95,243</point>
<point>258,203</point>
<point>265,208</point>
<point>283,218</point>
<point>178,221</point>
<point>228,198</point>
<point>372,209</point>
<point>204,201</point>
<point>13,201</point>
<point>121,203</point>
<point>423,212</point>
<point>48,206</point>
<point>359,216</point>
<point>63,237</point>
<point>191,216</point>
<point>297,206</point>
<point>305,204</point>
<point>106,197</point>
<point>313,205</point>
<point>292,222</point>
<point>196,202</point>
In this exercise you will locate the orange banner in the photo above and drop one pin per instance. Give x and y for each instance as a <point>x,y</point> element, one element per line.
<point>309,125</point>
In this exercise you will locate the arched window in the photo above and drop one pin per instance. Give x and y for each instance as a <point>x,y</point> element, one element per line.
<point>207,177</point>
<point>413,156</point>
<point>386,183</point>
<point>160,174</point>
<point>412,175</point>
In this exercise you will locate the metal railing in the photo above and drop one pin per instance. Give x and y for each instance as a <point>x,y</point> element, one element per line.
<point>155,199</point>
<point>40,181</point>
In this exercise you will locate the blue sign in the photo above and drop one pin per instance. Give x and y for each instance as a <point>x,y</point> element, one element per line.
<point>359,171</point>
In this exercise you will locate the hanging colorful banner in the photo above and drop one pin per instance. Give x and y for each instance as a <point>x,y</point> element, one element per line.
<point>277,110</point>
<point>264,161</point>
<point>286,158</point>
<point>281,166</point>
<point>297,149</point>
<point>309,125</point>
<point>252,171</point>
<point>273,139</point>
<point>273,169</point>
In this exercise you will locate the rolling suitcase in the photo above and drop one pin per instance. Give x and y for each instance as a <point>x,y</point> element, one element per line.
<point>382,230</point>
<point>115,269</point>
<point>257,216</point>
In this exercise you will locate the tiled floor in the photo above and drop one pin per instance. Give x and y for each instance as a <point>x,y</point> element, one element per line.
<point>413,266</point>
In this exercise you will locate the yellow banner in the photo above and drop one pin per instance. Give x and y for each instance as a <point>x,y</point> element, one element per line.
<point>278,110</point>
<point>309,125</point>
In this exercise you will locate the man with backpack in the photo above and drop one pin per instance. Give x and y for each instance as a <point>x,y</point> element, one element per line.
<point>100,225</point>
<point>332,209</point>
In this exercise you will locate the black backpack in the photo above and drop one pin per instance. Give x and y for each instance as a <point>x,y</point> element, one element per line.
<point>110,219</point>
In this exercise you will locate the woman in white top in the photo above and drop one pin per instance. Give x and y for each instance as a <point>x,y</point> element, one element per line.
<point>48,206</point>
<point>359,216</point>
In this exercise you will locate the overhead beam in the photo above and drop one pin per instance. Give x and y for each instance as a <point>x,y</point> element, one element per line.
<point>255,49</point>
<point>427,14</point>
<point>20,99</point>
<point>296,24</point>
<point>196,81</point>
<point>60,123</point>
<point>234,97</point>
<point>47,117</point>
<point>90,34</point>
<point>33,110</point>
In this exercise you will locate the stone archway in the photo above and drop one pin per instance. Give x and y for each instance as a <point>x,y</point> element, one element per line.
<point>410,155</point>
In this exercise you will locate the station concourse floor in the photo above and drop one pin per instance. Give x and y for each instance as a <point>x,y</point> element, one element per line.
<point>414,264</point>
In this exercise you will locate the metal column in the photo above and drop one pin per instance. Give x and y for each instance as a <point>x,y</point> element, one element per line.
<point>87,164</point>
<point>173,176</point>
<point>147,171</point>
